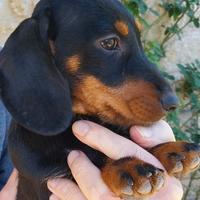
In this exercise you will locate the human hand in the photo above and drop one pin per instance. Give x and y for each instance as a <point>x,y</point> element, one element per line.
<point>88,176</point>
<point>9,191</point>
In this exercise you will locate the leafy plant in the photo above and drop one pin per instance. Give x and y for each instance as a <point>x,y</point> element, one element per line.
<point>176,10</point>
<point>188,89</point>
<point>185,121</point>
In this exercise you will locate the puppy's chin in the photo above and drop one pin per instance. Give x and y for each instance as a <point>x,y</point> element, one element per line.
<point>120,121</point>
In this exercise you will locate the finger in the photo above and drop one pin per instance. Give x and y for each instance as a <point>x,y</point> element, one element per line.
<point>13,179</point>
<point>64,189</point>
<point>158,133</point>
<point>109,143</point>
<point>54,197</point>
<point>9,191</point>
<point>88,177</point>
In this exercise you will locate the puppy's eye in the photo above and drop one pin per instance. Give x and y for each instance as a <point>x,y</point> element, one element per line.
<point>110,43</point>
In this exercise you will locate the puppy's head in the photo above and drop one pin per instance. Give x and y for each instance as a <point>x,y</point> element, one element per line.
<point>80,57</point>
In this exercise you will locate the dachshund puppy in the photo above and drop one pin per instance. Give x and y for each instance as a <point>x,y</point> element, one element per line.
<point>83,59</point>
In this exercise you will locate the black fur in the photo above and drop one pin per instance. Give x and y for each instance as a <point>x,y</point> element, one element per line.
<point>36,88</point>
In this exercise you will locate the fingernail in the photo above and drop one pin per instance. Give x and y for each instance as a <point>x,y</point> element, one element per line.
<point>53,183</point>
<point>144,131</point>
<point>53,197</point>
<point>81,128</point>
<point>72,157</point>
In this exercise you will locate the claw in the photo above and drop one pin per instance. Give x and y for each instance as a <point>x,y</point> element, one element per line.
<point>146,170</point>
<point>178,167</point>
<point>195,162</point>
<point>128,189</point>
<point>145,188</point>
<point>160,182</point>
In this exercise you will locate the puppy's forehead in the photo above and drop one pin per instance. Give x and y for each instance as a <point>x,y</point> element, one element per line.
<point>98,15</point>
<point>114,17</point>
<point>122,27</point>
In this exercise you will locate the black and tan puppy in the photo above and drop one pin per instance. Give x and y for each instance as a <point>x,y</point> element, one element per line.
<point>83,59</point>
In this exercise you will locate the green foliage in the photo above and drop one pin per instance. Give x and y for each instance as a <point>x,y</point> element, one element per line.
<point>177,10</point>
<point>188,88</point>
<point>154,51</point>
<point>137,8</point>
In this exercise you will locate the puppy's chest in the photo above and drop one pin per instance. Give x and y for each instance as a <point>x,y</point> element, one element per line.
<point>40,157</point>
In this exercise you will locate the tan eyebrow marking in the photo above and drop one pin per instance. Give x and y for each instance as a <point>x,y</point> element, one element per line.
<point>73,63</point>
<point>122,27</point>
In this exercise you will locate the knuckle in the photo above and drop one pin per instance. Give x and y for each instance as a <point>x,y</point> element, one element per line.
<point>78,171</point>
<point>75,165</point>
<point>64,187</point>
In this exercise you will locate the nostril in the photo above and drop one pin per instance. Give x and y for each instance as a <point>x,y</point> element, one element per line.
<point>172,108</point>
<point>169,101</point>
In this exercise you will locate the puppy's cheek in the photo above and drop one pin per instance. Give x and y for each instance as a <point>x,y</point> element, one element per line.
<point>146,109</point>
<point>73,63</point>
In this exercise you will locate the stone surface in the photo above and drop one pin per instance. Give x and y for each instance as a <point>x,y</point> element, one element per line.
<point>12,12</point>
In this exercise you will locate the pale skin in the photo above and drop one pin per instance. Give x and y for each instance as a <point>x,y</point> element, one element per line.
<point>90,184</point>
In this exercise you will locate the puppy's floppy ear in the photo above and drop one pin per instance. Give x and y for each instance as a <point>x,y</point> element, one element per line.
<point>32,88</point>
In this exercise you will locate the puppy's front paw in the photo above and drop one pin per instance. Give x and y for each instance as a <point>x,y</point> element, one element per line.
<point>132,178</point>
<point>178,158</point>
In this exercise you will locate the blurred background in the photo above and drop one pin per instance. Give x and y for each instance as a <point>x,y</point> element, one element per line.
<point>170,32</point>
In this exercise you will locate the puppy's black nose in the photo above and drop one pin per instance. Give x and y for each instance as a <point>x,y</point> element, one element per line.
<point>169,101</point>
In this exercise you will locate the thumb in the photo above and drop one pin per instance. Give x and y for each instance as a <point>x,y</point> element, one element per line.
<point>9,191</point>
<point>13,179</point>
<point>147,137</point>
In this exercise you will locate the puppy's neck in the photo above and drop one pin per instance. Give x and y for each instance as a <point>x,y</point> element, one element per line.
<point>124,131</point>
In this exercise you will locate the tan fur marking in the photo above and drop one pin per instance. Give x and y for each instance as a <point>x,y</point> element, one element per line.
<point>73,63</point>
<point>134,102</point>
<point>122,27</point>
<point>112,177</point>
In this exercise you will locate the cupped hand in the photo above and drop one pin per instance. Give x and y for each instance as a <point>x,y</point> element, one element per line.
<point>88,177</point>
